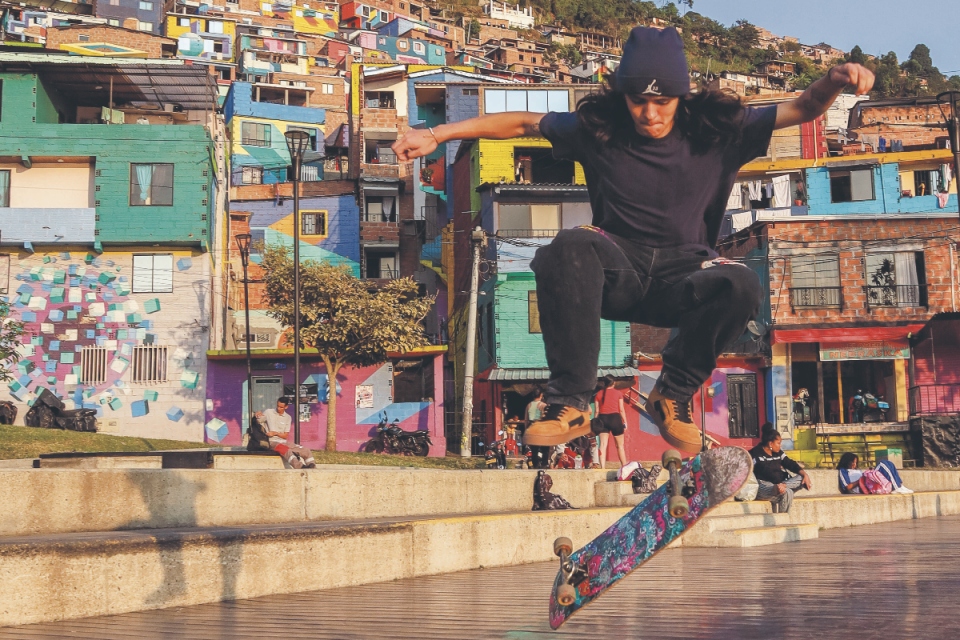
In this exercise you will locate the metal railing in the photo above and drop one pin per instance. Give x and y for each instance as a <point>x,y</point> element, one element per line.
<point>934,399</point>
<point>527,233</point>
<point>897,295</point>
<point>380,217</point>
<point>816,297</point>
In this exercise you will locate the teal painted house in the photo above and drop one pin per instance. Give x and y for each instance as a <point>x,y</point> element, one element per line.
<point>111,201</point>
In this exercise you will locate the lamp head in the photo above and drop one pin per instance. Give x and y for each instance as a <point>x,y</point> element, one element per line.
<point>243,244</point>
<point>297,144</point>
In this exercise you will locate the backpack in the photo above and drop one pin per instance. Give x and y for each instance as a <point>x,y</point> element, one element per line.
<point>875,482</point>
<point>644,481</point>
<point>259,440</point>
<point>749,490</point>
<point>543,500</point>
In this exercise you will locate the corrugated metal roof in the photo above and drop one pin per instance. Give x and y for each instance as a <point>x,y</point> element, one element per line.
<point>543,186</point>
<point>518,375</point>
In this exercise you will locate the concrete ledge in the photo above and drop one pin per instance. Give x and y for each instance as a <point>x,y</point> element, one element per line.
<point>78,575</point>
<point>42,501</point>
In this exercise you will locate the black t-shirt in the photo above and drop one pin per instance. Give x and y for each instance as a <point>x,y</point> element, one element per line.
<point>661,192</point>
<point>770,466</point>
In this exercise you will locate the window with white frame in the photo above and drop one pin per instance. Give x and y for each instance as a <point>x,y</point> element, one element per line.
<point>528,220</point>
<point>252,175</point>
<point>327,88</point>
<point>255,134</point>
<point>146,6</point>
<point>896,279</point>
<point>534,100</point>
<point>145,26</point>
<point>153,273</point>
<point>149,364</point>
<point>151,185</point>
<point>419,48</point>
<point>93,365</point>
<point>113,23</point>
<point>214,26</point>
<point>184,22</point>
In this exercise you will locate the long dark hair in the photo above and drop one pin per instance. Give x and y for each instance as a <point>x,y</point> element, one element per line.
<point>847,459</point>
<point>706,118</point>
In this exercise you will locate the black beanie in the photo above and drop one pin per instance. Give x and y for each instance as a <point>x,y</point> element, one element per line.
<point>653,63</point>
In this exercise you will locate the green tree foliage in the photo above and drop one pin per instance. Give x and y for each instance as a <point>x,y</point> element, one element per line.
<point>568,53</point>
<point>343,318</point>
<point>11,332</point>
<point>917,76</point>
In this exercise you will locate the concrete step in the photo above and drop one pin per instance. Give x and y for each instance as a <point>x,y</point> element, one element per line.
<point>732,508</point>
<point>751,536</point>
<point>742,521</point>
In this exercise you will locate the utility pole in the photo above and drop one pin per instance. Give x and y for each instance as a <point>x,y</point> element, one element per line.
<point>477,238</point>
<point>952,99</point>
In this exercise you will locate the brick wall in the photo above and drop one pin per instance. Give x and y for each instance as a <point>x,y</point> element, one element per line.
<point>849,241</point>
<point>488,33</point>
<point>318,98</point>
<point>380,232</point>
<point>649,340</point>
<point>248,192</point>
<point>139,40</point>
<point>907,123</point>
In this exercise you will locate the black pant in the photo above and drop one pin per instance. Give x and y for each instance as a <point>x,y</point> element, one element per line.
<point>585,275</point>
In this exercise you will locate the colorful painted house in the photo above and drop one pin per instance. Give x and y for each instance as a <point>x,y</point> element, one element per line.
<point>209,40</point>
<point>109,252</point>
<point>356,15</point>
<point>317,18</point>
<point>411,50</point>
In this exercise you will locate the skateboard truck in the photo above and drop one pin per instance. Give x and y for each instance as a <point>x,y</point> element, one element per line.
<point>573,573</point>
<point>677,503</point>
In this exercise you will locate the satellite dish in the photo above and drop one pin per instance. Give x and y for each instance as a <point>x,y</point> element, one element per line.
<point>757,329</point>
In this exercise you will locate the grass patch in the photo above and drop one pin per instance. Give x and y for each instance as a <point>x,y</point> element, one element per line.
<point>28,442</point>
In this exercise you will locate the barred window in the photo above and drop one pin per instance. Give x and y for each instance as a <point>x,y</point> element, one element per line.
<point>149,364</point>
<point>93,365</point>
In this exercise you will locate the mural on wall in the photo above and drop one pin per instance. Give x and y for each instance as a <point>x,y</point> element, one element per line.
<point>202,38</point>
<point>324,22</point>
<point>259,152</point>
<point>75,301</point>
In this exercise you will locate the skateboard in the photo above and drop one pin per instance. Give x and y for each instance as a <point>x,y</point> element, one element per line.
<point>694,489</point>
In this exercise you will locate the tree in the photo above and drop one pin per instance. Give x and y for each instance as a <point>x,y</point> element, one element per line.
<point>341,317</point>
<point>10,333</point>
<point>856,55</point>
<point>474,28</point>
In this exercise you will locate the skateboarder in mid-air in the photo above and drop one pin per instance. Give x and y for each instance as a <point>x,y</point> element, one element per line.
<point>660,163</point>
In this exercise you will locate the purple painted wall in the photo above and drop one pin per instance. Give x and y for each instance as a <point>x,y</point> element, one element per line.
<point>355,425</point>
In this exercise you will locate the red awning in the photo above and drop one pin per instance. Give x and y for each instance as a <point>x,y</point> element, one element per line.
<point>845,334</point>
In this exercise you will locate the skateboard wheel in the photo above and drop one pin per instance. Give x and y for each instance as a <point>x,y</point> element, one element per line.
<point>562,545</point>
<point>566,594</point>
<point>671,455</point>
<point>678,506</point>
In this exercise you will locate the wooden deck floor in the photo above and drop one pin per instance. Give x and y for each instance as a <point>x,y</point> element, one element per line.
<point>896,580</point>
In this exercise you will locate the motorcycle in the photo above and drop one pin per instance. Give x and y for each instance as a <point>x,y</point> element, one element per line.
<point>392,439</point>
<point>495,454</point>
<point>866,407</point>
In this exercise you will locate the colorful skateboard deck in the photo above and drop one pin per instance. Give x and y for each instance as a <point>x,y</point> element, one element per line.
<point>711,478</point>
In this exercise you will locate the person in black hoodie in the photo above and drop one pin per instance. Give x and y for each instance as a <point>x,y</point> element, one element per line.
<point>770,466</point>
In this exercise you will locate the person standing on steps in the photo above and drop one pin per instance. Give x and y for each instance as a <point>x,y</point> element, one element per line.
<point>659,162</point>
<point>613,420</point>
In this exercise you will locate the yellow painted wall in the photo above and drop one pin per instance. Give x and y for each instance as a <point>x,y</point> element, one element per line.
<point>306,20</point>
<point>175,30</point>
<point>497,161</point>
<point>236,133</point>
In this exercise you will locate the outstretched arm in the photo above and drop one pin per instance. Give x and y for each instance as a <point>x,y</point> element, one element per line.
<point>496,126</point>
<point>818,97</point>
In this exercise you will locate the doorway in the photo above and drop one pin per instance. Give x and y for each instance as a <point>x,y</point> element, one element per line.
<point>266,390</point>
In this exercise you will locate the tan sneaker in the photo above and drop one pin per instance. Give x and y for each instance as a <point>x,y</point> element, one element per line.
<point>559,424</point>
<point>674,421</point>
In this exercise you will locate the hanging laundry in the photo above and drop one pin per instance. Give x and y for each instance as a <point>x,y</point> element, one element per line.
<point>781,191</point>
<point>769,189</point>
<point>735,201</point>
<point>754,190</point>
<point>942,199</point>
<point>741,220</point>
<point>946,173</point>
<point>882,146</point>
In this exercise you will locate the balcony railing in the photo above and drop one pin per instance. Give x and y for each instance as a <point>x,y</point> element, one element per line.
<point>385,274</point>
<point>897,295</point>
<point>380,217</point>
<point>934,399</point>
<point>802,297</point>
<point>527,233</point>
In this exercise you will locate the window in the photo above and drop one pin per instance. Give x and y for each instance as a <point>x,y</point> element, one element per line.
<point>381,265</point>
<point>419,48</point>
<point>255,338</point>
<point>255,134</point>
<point>922,183</point>
<point>403,6</point>
<point>5,188</point>
<point>149,364</point>
<point>313,223</point>
<point>471,92</point>
<point>382,40</point>
<point>214,26</point>
<point>535,100</point>
<point>184,22</point>
<point>521,57</point>
<point>529,220</point>
<point>380,100</point>
<point>380,209</point>
<point>145,26</point>
<point>310,132</point>
<point>402,45</point>
<point>151,185</point>
<point>252,175</point>
<point>83,38</point>
<point>327,88</point>
<point>153,273</point>
<point>93,365</point>
<point>146,6</point>
<point>376,152</point>
<point>113,23</point>
<point>533,313</point>
<point>851,186</point>
<point>383,16</point>
<point>115,3</point>
<point>815,281</point>
<point>896,279</point>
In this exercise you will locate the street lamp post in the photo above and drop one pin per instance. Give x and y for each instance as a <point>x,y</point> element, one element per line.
<point>243,243</point>
<point>297,142</point>
<point>951,99</point>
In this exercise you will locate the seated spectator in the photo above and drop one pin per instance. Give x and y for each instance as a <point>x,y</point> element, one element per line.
<point>849,475</point>
<point>770,466</point>
<point>277,424</point>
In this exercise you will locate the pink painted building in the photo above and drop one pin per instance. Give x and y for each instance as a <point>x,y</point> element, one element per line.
<point>408,388</point>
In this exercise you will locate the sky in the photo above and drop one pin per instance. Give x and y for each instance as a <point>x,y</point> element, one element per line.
<point>878,26</point>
